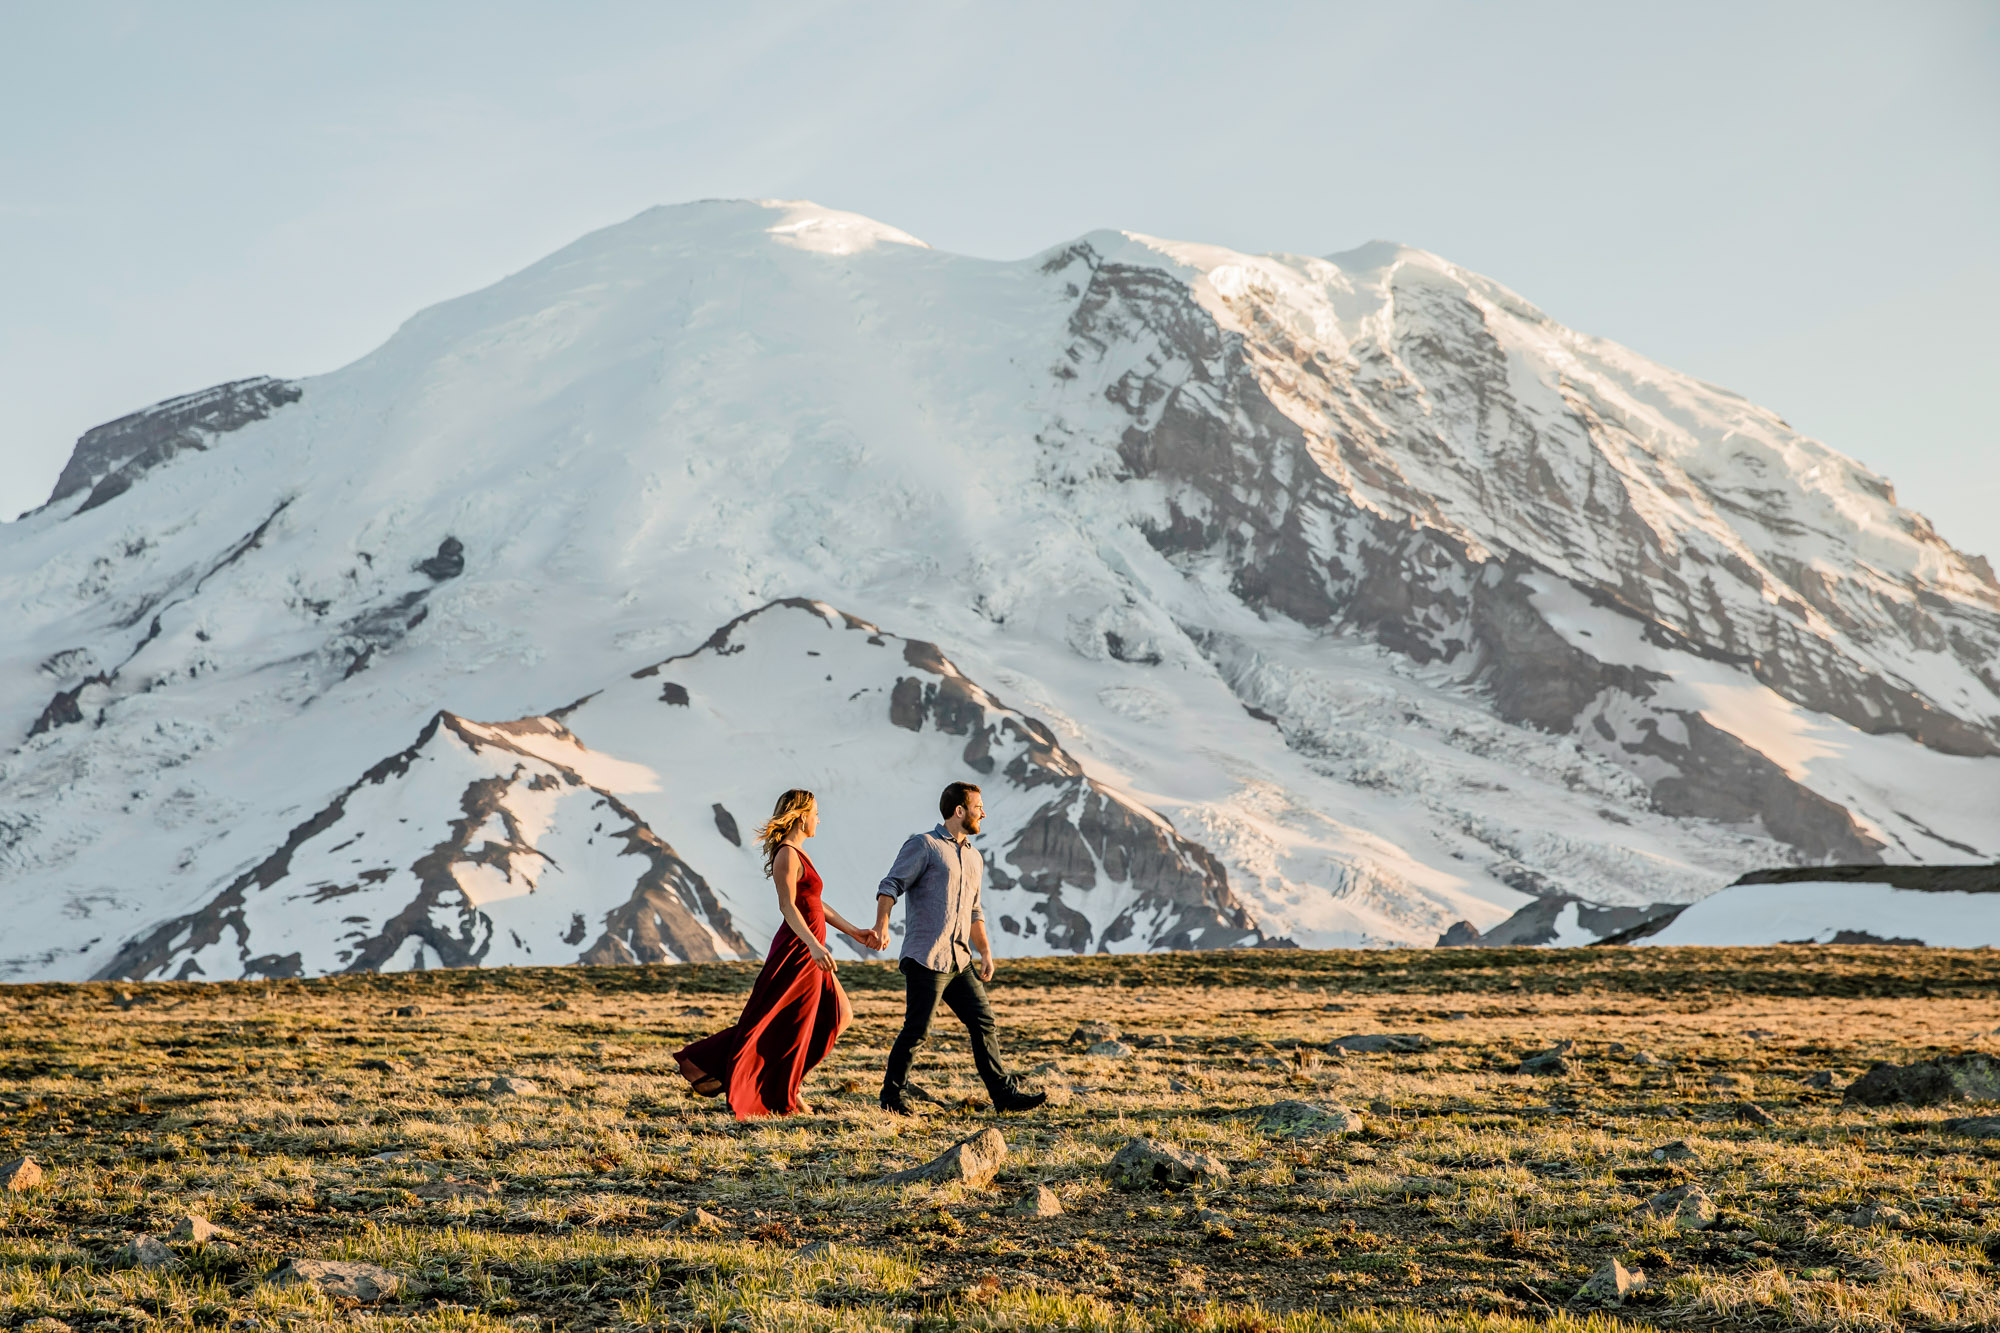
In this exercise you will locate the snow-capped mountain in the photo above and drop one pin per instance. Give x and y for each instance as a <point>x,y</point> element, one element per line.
<point>1332,601</point>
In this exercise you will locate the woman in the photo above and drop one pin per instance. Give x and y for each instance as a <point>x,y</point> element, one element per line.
<point>796,1010</point>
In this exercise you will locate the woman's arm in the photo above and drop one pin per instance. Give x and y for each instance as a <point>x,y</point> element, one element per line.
<point>785,872</point>
<point>852,931</point>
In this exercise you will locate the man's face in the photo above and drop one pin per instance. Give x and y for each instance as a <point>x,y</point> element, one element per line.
<point>971,813</point>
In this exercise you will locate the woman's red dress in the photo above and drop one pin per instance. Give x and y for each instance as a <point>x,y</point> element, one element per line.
<point>794,1015</point>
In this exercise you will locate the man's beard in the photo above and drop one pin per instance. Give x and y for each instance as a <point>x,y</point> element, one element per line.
<point>970,823</point>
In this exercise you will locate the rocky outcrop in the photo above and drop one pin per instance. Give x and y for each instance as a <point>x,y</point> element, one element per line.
<point>108,459</point>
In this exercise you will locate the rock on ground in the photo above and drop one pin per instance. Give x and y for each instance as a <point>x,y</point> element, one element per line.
<point>1953,1078</point>
<point>1611,1284</point>
<point>1879,1215</point>
<point>507,1085</point>
<point>1308,1120</point>
<point>23,1173</point>
<point>1116,1050</point>
<point>1975,1126</point>
<point>1754,1114</point>
<point>1041,1201</point>
<point>1088,1034</point>
<point>1147,1162</point>
<point>1553,1061</point>
<point>144,1251</point>
<point>973,1160</point>
<point>696,1219</point>
<point>1677,1151</point>
<point>195,1229</point>
<point>1688,1207</point>
<point>340,1277</point>
<point>819,1249</point>
<point>1370,1043</point>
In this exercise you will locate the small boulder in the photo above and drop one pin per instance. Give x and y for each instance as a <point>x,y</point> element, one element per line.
<point>1821,1081</point>
<point>1878,1214</point>
<point>1089,1034</point>
<point>559,1005</point>
<point>1952,1078</point>
<point>1308,1120</point>
<point>510,1085</point>
<point>352,1280</point>
<point>1754,1114</point>
<point>1688,1207</point>
<point>409,1011</point>
<point>1376,1042</point>
<point>1147,1162</point>
<point>1611,1284</point>
<point>195,1229</point>
<point>1212,1217</point>
<point>1184,1086</point>
<point>21,1174</point>
<point>1647,1060</point>
<point>1158,1041</point>
<point>1677,1151</point>
<point>973,1159</point>
<point>696,1219</point>
<point>1041,1201</point>
<point>1975,1126</point>
<point>144,1251</point>
<point>1110,1050</point>
<point>1551,1063</point>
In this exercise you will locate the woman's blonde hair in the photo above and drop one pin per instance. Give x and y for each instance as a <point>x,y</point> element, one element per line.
<point>786,815</point>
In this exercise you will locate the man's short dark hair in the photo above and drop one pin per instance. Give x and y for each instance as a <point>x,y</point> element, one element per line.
<point>954,796</point>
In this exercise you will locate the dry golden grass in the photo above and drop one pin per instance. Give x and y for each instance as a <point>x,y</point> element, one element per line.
<point>1476,1197</point>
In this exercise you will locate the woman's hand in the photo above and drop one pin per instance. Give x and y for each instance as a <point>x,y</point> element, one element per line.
<point>867,939</point>
<point>821,955</point>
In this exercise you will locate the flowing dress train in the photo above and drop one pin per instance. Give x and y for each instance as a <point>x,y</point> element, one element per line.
<point>793,1016</point>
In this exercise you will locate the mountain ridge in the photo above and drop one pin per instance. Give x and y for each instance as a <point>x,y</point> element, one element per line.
<point>1397,599</point>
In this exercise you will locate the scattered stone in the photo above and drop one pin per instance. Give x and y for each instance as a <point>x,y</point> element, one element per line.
<point>696,1219</point>
<point>1677,1151</point>
<point>973,1159</point>
<point>1688,1207</point>
<point>1041,1201</point>
<point>144,1251</point>
<point>195,1229</point>
<point>1212,1217</point>
<point>1760,1034</point>
<point>405,1011</point>
<point>1953,1078</point>
<point>819,1249</point>
<point>1553,1062</point>
<point>1089,1034</point>
<point>1184,1086</point>
<point>1372,1043</point>
<point>384,1066</point>
<point>1457,1016</point>
<point>510,1085</point>
<point>355,1281</point>
<point>1611,1284</point>
<point>23,1173</point>
<point>1879,1214</point>
<point>1158,1041</point>
<point>1754,1114</point>
<point>1308,1120</point>
<point>1975,1126</point>
<point>1822,1081</point>
<point>1380,1106</point>
<point>1111,1050</point>
<point>1647,1060</point>
<point>1147,1162</point>
<point>559,1005</point>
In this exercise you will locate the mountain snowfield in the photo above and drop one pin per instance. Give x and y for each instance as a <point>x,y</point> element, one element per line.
<point>1273,599</point>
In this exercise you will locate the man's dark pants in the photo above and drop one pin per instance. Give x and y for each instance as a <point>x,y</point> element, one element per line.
<point>964,993</point>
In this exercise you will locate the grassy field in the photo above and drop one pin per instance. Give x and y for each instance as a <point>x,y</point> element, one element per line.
<point>314,1120</point>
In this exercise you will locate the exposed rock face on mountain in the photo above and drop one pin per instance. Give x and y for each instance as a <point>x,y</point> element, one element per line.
<point>1334,600</point>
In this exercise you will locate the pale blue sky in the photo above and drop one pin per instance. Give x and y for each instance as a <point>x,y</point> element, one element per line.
<point>1797,200</point>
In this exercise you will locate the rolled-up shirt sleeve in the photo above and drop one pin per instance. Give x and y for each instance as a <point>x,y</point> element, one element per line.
<point>909,865</point>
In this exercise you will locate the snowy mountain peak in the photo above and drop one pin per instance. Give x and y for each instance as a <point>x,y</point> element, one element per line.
<point>1331,600</point>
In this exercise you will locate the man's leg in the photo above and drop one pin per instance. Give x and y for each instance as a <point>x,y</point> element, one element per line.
<point>921,987</point>
<point>966,995</point>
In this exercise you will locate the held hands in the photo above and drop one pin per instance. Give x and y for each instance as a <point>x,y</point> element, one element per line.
<point>870,939</point>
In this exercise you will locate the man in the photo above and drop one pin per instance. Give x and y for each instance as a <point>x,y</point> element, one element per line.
<point>940,874</point>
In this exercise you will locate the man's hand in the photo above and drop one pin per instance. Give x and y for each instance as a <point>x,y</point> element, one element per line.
<point>985,967</point>
<point>870,939</point>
